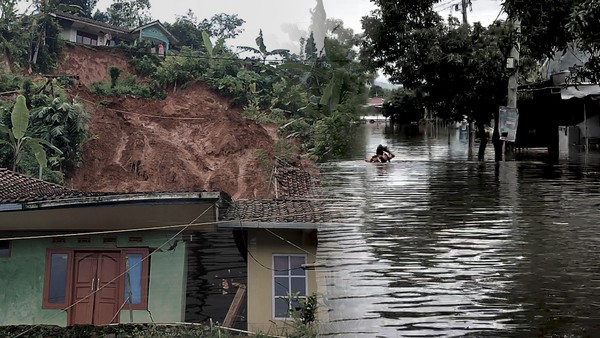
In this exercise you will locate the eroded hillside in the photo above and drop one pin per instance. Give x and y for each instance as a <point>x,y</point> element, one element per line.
<point>190,141</point>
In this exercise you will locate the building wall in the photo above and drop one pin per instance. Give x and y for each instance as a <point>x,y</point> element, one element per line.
<point>22,279</point>
<point>262,245</point>
<point>154,32</point>
<point>593,128</point>
<point>69,34</point>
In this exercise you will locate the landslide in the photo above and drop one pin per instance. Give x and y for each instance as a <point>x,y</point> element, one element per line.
<point>190,141</point>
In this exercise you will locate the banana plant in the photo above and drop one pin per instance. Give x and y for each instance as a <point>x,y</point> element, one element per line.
<point>210,48</point>
<point>262,51</point>
<point>16,138</point>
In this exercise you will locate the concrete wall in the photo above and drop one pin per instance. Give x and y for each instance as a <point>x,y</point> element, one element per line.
<point>263,245</point>
<point>593,128</point>
<point>22,279</point>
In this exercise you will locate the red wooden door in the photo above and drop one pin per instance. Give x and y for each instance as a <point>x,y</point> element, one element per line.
<point>95,272</point>
<point>106,304</point>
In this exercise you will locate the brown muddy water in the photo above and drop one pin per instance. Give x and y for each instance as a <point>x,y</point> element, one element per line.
<point>436,245</point>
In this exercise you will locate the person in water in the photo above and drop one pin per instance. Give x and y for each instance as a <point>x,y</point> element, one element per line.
<point>382,155</point>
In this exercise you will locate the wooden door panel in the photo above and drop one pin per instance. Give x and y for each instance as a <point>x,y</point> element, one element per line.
<point>107,297</point>
<point>85,267</point>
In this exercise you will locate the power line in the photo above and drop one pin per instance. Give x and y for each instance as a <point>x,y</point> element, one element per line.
<point>122,274</point>
<point>90,233</point>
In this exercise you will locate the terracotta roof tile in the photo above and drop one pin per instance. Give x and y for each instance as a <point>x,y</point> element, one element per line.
<point>293,182</point>
<point>296,201</point>
<point>278,211</point>
<point>19,188</point>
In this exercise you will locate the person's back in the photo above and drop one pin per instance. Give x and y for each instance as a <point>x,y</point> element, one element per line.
<point>381,149</point>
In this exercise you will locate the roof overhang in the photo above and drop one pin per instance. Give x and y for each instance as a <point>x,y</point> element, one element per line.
<point>579,91</point>
<point>114,212</point>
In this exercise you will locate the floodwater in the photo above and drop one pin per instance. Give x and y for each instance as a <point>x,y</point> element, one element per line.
<point>436,245</point>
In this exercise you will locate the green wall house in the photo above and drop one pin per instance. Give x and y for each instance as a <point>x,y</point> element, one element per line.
<point>69,257</point>
<point>157,33</point>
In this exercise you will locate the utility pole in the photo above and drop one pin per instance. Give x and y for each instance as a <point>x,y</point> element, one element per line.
<point>471,126</point>
<point>511,63</point>
<point>514,55</point>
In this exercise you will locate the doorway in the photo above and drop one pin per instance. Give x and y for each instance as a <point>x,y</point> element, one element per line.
<point>95,288</point>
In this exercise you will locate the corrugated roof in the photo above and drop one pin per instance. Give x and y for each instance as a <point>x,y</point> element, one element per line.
<point>19,188</point>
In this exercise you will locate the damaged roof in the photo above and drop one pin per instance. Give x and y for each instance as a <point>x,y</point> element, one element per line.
<point>275,211</point>
<point>292,182</point>
<point>296,204</point>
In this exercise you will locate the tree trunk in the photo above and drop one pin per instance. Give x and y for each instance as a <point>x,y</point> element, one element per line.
<point>496,139</point>
<point>483,136</point>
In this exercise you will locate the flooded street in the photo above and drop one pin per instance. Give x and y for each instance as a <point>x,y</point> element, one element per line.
<point>436,245</point>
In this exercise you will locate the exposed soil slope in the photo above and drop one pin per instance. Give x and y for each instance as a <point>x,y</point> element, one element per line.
<point>190,141</point>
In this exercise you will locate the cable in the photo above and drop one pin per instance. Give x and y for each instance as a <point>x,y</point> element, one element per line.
<point>125,272</point>
<point>499,13</point>
<point>147,115</point>
<point>441,4</point>
<point>90,233</point>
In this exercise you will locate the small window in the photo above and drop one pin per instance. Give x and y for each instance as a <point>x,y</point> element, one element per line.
<point>4,249</point>
<point>289,284</point>
<point>55,287</point>
<point>135,279</point>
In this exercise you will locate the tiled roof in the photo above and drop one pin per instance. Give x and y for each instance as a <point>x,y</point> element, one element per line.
<point>293,182</point>
<point>69,16</point>
<point>295,202</point>
<point>275,211</point>
<point>19,188</point>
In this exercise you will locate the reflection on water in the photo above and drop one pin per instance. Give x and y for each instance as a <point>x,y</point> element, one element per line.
<point>433,244</point>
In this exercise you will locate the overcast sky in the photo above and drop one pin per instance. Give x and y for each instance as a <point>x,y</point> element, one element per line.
<point>275,16</point>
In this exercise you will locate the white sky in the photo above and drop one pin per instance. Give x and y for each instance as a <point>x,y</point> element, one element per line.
<point>270,15</point>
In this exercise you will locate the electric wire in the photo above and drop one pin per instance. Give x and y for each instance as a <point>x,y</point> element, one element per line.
<point>124,272</point>
<point>90,233</point>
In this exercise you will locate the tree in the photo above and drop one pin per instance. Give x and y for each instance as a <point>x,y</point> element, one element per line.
<point>45,31</point>
<point>15,137</point>
<point>262,51</point>
<point>186,30</point>
<point>459,69</point>
<point>63,125</point>
<point>549,26</point>
<point>226,26</point>
<point>128,13</point>
<point>84,7</point>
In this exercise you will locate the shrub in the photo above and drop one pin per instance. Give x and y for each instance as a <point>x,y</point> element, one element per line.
<point>114,72</point>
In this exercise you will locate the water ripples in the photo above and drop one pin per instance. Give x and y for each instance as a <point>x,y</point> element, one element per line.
<point>435,245</point>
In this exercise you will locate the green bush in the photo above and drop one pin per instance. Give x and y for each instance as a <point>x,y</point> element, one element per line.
<point>120,331</point>
<point>145,65</point>
<point>114,72</point>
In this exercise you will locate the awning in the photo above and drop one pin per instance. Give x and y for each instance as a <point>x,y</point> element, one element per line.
<point>579,91</point>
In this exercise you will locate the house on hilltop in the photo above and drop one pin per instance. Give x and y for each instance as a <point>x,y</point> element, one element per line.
<point>87,31</point>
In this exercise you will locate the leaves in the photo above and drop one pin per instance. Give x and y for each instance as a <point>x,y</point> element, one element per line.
<point>207,44</point>
<point>19,118</point>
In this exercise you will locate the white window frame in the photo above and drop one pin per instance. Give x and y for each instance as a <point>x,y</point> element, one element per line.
<point>275,298</point>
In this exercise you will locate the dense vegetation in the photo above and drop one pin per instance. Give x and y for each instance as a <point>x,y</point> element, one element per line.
<point>312,95</point>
